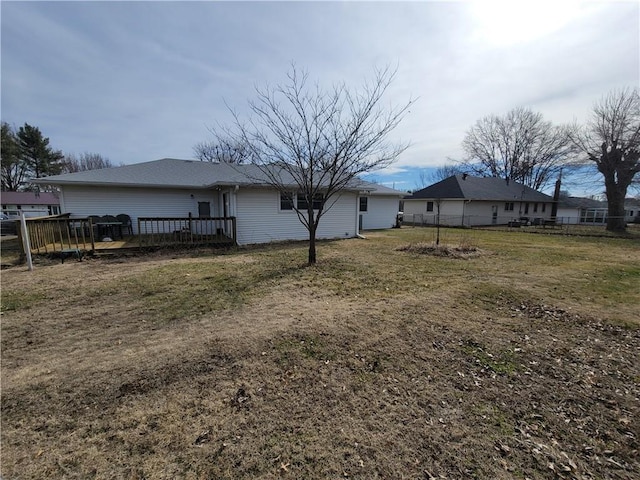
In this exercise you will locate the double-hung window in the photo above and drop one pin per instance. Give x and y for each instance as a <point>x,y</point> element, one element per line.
<point>304,205</point>
<point>286,200</point>
<point>289,199</point>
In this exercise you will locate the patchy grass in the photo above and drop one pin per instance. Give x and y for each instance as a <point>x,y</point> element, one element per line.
<point>10,251</point>
<point>375,363</point>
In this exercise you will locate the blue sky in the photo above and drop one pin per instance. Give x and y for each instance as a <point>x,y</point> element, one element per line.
<point>138,81</point>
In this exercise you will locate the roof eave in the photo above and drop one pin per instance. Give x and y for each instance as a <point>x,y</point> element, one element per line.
<point>114,184</point>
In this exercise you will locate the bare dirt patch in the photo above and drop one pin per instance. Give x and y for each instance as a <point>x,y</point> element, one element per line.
<point>372,364</point>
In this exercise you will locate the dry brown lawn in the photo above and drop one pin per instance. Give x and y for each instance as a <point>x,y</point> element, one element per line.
<point>521,361</point>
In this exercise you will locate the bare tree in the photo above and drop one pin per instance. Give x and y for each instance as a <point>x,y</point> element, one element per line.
<point>520,146</point>
<point>222,150</point>
<point>85,161</point>
<point>311,144</point>
<point>611,139</point>
<point>426,178</point>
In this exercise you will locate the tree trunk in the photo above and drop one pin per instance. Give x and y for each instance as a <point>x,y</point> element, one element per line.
<point>312,246</point>
<point>616,194</point>
<point>615,209</point>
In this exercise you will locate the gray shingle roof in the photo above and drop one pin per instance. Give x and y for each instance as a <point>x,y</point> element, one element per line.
<point>167,172</point>
<point>580,202</point>
<point>477,188</point>
<point>174,173</point>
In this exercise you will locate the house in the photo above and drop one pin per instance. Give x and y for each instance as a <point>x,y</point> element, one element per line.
<point>463,200</point>
<point>577,210</point>
<point>33,204</point>
<point>632,210</point>
<point>180,188</point>
<point>587,211</point>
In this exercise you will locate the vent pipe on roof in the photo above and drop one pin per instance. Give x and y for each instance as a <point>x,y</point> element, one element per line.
<point>464,176</point>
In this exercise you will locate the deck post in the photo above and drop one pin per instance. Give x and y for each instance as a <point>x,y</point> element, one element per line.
<point>93,242</point>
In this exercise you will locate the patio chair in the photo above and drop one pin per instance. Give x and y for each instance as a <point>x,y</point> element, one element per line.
<point>113,230</point>
<point>126,222</point>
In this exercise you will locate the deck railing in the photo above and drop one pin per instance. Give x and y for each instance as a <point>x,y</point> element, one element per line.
<point>165,231</point>
<point>61,232</point>
<point>57,233</point>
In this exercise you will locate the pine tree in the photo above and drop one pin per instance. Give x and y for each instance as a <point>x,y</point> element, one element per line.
<point>39,159</point>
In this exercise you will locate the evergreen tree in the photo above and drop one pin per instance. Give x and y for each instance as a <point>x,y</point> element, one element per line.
<point>39,159</point>
<point>13,170</point>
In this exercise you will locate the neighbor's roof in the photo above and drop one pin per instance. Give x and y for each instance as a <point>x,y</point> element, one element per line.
<point>580,202</point>
<point>466,187</point>
<point>174,173</point>
<point>29,198</point>
<point>371,188</point>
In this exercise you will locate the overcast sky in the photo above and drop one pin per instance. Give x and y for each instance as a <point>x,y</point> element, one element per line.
<point>139,81</point>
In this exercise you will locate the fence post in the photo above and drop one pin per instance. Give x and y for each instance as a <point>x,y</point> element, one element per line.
<point>25,241</point>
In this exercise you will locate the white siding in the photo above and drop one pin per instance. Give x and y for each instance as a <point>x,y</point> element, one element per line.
<point>381,212</point>
<point>471,213</point>
<point>568,216</point>
<point>480,212</point>
<point>260,219</point>
<point>135,202</point>
<point>452,212</point>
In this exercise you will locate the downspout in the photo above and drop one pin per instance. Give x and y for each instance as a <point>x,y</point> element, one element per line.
<point>61,201</point>
<point>233,203</point>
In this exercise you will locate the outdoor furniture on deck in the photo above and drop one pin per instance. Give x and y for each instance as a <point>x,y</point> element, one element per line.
<point>109,226</point>
<point>126,222</point>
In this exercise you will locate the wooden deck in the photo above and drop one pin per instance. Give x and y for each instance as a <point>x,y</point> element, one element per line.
<point>130,243</point>
<point>51,235</point>
<point>125,243</point>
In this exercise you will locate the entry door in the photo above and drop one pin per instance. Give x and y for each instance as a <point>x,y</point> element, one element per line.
<point>494,214</point>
